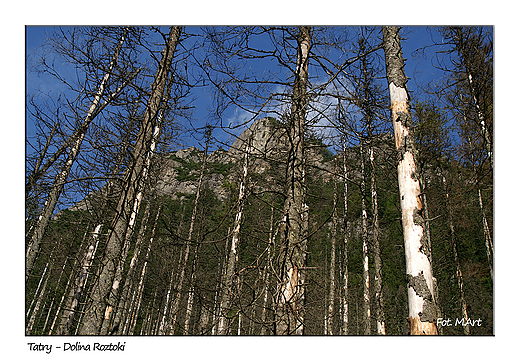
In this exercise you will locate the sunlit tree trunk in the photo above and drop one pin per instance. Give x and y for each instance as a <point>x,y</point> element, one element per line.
<point>422,306</point>
<point>460,281</point>
<point>233,255</point>
<point>289,305</point>
<point>490,251</point>
<point>267,274</point>
<point>364,225</point>
<point>332,269</point>
<point>125,298</point>
<point>346,230</point>
<point>38,298</point>
<point>378,273</point>
<point>80,283</point>
<point>99,310</point>
<point>138,293</point>
<point>59,182</point>
<point>191,292</point>
<point>180,282</point>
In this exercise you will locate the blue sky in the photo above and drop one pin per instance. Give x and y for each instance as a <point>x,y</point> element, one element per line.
<point>415,66</point>
<point>35,36</point>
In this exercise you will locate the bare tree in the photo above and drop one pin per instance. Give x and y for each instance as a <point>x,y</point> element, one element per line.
<point>75,143</point>
<point>421,295</point>
<point>96,314</point>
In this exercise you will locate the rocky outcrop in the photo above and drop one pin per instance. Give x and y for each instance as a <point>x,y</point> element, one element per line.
<point>176,174</point>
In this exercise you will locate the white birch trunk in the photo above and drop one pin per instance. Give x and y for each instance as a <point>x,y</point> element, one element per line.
<point>162,329</point>
<point>130,310</point>
<point>38,299</point>
<point>191,294</point>
<point>263,330</point>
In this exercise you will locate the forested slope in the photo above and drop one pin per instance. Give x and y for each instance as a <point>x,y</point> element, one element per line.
<point>338,205</point>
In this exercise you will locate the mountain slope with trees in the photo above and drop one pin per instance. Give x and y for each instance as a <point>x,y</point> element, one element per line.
<point>293,227</point>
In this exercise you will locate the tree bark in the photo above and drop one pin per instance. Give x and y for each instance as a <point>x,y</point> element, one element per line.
<point>460,281</point>
<point>59,182</point>
<point>180,282</point>
<point>95,314</point>
<point>233,255</point>
<point>79,284</point>
<point>289,305</point>
<point>378,273</point>
<point>346,229</point>
<point>490,250</point>
<point>422,306</point>
<point>366,271</point>
<point>332,269</point>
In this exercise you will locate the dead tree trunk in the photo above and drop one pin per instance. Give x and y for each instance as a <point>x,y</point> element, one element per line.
<point>98,311</point>
<point>422,305</point>
<point>180,282</point>
<point>332,269</point>
<point>460,281</point>
<point>289,305</point>
<point>233,255</point>
<point>59,182</point>
<point>346,229</point>
<point>366,271</point>
<point>378,274</point>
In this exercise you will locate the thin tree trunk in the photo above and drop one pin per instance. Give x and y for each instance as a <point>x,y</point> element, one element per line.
<point>233,255</point>
<point>263,330</point>
<point>38,298</point>
<point>191,292</point>
<point>124,300</point>
<point>422,305</point>
<point>61,303</point>
<point>99,310</point>
<point>332,269</point>
<point>163,320</point>
<point>140,286</point>
<point>130,291</point>
<point>79,283</point>
<point>177,298</point>
<point>490,251</point>
<point>460,281</point>
<point>378,273</point>
<point>366,271</point>
<point>346,228</point>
